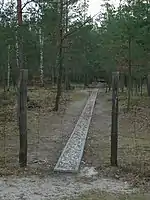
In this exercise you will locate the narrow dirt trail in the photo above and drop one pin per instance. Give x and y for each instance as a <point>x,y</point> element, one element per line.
<point>97,149</point>
<point>54,131</point>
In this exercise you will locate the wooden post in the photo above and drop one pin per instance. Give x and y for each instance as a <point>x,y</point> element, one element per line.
<point>22,117</point>
<point>114,123</point>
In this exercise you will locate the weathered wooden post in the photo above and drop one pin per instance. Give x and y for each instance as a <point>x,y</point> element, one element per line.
<point>114,123</point>
<point>22,117</point>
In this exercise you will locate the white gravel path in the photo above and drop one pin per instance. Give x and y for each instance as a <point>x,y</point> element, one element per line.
<point>71,156</point>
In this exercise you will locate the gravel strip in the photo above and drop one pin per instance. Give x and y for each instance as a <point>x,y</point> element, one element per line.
<point>70,158</point>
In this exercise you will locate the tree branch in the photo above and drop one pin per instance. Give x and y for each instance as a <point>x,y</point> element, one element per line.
<point>73,31</point>
<point>25,4</point>
<point>30,1</point>
<point>2,4</point>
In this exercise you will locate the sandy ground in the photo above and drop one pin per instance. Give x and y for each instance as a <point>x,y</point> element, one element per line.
<point>54,132</point>
<point>48,133</point>
<point>133,142</point>
<point>55,187</point>
<point>97,149</point>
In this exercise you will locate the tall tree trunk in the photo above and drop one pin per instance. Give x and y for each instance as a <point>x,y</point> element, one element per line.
<point>67,81</point>
<point>148,85</point>
<point>17,52</point>
<point>141,86</point>
<point>20,38</point>
<point>53,75</point>
<point>85,80</point>
<point>60,58</point>
<point>8,69</point>
<point>41,39</point>
<point>136,87</point>
<point>129,74</point>
<point>122,82</point>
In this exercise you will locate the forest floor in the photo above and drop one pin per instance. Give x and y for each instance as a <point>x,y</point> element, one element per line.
<point>133,136</point>
<point>47,135</point>
<point>48,131</point>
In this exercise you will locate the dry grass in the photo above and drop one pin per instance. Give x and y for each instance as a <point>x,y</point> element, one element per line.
<point>134,132</point>
<point>134,139</point>
<point>41,101</point>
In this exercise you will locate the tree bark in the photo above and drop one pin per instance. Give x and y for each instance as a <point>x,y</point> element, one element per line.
<point>17,52</point>
<point>67,80</point>
<point>141,86</point>
<point>20,39</point>
<point>122,81</point>
<point>129,74</point>
<point>41,39</point>
<point>148,85</point>
<point>60,58</point>
<point>8,69</point>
